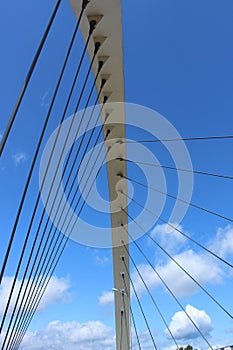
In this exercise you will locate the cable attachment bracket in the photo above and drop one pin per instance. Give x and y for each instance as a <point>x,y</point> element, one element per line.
<point>93,21</point>
<point>84,4</point>
<point>107,133</point>
<point>97,46</point>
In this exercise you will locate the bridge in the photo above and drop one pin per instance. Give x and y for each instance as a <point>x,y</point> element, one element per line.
<point>95,135</point>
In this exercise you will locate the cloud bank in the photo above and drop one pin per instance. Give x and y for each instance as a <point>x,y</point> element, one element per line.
<point>71,335</point>
<point>57,291</point>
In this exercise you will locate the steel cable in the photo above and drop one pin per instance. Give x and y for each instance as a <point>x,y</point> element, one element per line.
<point>182,233</point>
<point>151,296</point>
<point>38,197</point>
<point>172,294</point>
<point>27,79</point>
<point>179,199</point>
<point>38,265</point>
<point>139,303</point>
<point>57,260</point>
<point>179,169</point>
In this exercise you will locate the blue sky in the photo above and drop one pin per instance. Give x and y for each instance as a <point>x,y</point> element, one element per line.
<point>178,60</point>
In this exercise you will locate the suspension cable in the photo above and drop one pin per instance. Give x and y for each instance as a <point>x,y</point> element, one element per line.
<point>151,296</point>
<point>38,197</point>
<point>179,169</point>
<point>139,303</point>
<point>121,335</point>
<point>29,178</point>
<point>38,265</point>
<point>172,294</point>
<point>39,274</point>
<point>96,142</point>
<point>201,138</point>
<point>33,310</point>
<point>25,191</point>
<point>27,79</point>
<point>126,323</point>
<point>37,151</point>
<point>179,199</point>
<point>182,233</point>
<point>131,312</point>
<point>183,269</point>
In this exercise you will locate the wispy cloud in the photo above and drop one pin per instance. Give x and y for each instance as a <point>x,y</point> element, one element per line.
<point>196,264</point>
<point>19,158</point>
<point>101,260</point>
<point>43,100</point>
<point>223,242</point>
<point>57,290</point>
<point>83,336</point>
<point>106,298</point>
<point>169,238</point>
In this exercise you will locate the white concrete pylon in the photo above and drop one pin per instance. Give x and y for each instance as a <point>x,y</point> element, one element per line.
<point>109,33</point>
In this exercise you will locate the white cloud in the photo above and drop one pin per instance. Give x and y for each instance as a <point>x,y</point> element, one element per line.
<point>170,239</point>
<point>19,157</point>
<point>181,327</point>
<point>200,265</point>
<point>197,265</point>
<point>101,260</point>
<point>223,242</point>
<point>148,276</point>
<point>43,100</point>
<point>106,298</point>
<point>145,339</point>
<point>57,290</point>
<point>71,335</point>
